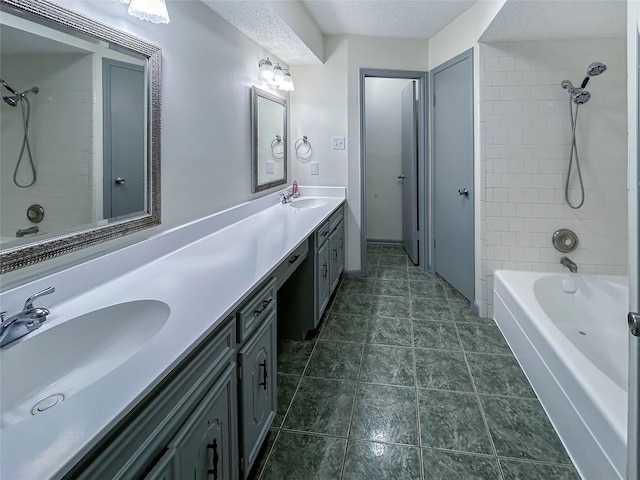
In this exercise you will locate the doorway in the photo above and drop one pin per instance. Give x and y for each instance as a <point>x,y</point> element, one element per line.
<point>393,145</point>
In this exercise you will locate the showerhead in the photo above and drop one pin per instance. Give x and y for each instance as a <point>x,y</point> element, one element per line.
<point>13,101</point>
<point>580,96</point>
<point>594,69</point>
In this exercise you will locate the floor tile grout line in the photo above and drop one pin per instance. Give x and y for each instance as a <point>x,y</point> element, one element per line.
<point>416,392</point>
<point>355,396</point>
<point>477,398</point>
<point>260,474</point>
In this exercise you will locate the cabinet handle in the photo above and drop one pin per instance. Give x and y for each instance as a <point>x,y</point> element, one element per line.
<point>265,304</point>
<point>264,375</point>
<point>335,254</point>
<point>325,233</point>
<point>214,471</point>
<point>293,260</point>
<point>324,271</point>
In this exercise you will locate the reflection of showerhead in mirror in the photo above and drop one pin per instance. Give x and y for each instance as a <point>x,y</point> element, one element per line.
<point>16,96</point>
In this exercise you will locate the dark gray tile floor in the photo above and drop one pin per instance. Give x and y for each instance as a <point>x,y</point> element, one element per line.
<point>403,380</point>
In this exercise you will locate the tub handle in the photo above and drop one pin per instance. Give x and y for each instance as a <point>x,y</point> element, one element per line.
<point>634,323</point>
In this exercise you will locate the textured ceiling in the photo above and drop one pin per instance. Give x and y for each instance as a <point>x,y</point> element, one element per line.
<point>557,20</point>
<point>383,18</point>
<point>258,21</point>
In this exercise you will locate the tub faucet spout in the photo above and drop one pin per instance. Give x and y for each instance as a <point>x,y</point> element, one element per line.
<point>570,264</point>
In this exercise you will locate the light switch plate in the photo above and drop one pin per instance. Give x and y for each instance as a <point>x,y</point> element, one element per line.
<point>314,168</point>
<point>337,143</point>
<point>271,167</point>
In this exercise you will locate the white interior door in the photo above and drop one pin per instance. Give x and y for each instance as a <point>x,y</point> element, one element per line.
<point>409,174</point>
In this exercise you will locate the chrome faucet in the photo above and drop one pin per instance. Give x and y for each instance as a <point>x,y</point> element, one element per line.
<point>29,319</point>
<point>286,197</point>
<point>570,264</point>
<point>27,231</point>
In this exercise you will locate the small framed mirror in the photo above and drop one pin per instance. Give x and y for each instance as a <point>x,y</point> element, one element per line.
<point>80,127</point>
<point>268,140</point>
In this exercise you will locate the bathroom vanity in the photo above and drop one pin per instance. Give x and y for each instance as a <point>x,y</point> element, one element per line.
<point>193,394</point>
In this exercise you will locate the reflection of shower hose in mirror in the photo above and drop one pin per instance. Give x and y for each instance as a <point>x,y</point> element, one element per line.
<point>26,113</point>
<point>574,148</point>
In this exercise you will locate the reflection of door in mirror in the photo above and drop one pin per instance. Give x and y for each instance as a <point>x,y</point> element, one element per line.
<point>123,93</point>
<point>86,128</point>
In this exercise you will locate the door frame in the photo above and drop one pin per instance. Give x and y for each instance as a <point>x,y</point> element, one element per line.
<point>423,175</point>
<point>470,53</point>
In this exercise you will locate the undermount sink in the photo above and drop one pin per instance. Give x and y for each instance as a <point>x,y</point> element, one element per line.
<point>308,203</point>
<point>43,370</point>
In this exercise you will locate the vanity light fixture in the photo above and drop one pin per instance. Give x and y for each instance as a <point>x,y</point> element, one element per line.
<point>154,11</point>
<point>287,83</point>
<point>278,76</point>
<point>266,70</point>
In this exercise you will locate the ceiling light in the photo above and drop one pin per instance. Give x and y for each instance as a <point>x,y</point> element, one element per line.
<point>154,11</point>
<point>266,70</point>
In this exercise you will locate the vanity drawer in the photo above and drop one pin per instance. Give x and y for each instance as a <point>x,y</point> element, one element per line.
<point>255,310</point>
<point>289,265</point>
<point>335,219</point>
<point>322,234</point>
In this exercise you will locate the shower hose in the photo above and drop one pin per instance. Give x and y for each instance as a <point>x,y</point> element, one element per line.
<point>26,113</point>
<point>574,149</point>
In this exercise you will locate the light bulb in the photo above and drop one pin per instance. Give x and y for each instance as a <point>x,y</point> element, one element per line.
<point>154,11</point>
<point>266,71</point>
<point>278,76</point>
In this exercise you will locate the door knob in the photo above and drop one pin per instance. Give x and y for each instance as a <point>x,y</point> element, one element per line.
<point>401,177</point>
<point>120,181</point>
<point>463,192</point>
<point>634,323</point>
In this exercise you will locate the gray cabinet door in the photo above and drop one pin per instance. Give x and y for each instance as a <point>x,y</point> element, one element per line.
<point>164,469</point>
<point>322,280</point>
<point>206,445</point>
<point>336,255</point>
<point>257,363</point>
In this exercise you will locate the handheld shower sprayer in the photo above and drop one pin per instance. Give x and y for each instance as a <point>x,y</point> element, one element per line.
<point>13,100</point>
<point>578,96</point>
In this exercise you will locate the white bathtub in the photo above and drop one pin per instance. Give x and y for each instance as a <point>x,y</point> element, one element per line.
<point>569,334</point>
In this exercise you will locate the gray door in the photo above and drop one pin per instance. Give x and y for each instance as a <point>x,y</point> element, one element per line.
<point>409,174</point>
<point>124,108</point>
<point>453,172</point>
<point>633,458</point>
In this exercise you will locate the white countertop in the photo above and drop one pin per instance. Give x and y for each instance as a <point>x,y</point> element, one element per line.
<point>202,279</point>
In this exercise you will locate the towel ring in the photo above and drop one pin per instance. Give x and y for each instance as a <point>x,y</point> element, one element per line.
<point>299,147</point>
<point>274,144</point>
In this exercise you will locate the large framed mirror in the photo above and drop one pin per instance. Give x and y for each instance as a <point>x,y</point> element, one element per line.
<point>268,140</point>
<point>80,129</point>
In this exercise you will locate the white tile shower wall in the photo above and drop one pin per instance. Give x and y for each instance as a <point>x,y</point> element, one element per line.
<point>525,132</point>
<point>60,133</point>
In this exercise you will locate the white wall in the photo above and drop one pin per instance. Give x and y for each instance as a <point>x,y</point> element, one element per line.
<point>463,32</point>
<point>208,67</point>
<point>318,110</point>
<point>527,134</point>
<point>383,163</point>
<point>62,150</point>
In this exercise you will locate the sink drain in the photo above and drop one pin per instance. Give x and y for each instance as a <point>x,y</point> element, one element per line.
<point>47,403</point>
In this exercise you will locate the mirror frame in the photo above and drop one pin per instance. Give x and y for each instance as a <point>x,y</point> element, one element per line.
<point>39,251</point>
<point>255,94</point>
